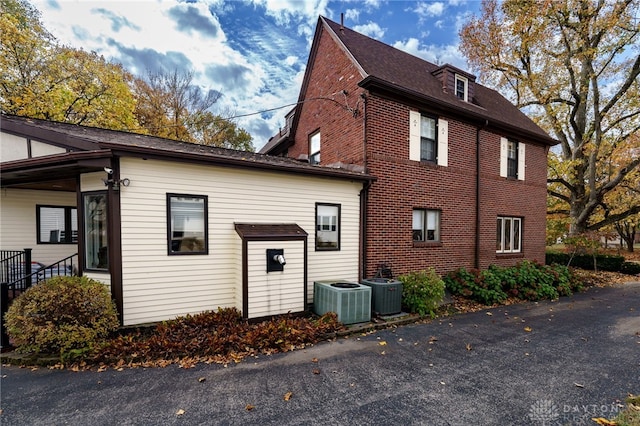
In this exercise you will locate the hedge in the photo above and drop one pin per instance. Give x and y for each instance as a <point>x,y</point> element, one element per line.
<point>604,262</point>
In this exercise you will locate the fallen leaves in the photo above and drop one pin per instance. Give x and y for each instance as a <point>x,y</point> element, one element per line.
<point>468,346</point>
<point>578,385</point>
<point>249,407</point>
<point>528,329</point>
<point>180,412</point>
<point>287,396</point>
<point>603,421</point>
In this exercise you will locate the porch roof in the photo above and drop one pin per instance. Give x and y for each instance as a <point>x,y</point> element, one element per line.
<point>103,144</point>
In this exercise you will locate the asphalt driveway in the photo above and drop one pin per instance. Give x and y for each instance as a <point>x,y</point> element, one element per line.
<point>560,362</point>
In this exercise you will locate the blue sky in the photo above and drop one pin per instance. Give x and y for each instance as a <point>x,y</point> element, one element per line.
<point>255,51</point>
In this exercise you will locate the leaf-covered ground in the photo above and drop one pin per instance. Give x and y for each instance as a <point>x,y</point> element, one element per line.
<point>210,337</point>
<point>224,337</point>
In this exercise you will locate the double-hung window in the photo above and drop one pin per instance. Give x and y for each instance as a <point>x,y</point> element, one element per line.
<point>512,159</point>
<point>462,84</point>
<point>314,148</point>
<point>428,139</point>
<point>508,234</point>
<point>327,226</point>
<point>426,225</point>
<point>428,142</point>
<point>187,226</point>
<point>57,224</point>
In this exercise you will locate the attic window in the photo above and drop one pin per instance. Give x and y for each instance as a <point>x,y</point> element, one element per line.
<point>462,85</point>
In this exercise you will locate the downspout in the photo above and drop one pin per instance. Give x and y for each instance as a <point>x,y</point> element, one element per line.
<point>364,194</point>
<point>364,197</point>
<point>476,260</point>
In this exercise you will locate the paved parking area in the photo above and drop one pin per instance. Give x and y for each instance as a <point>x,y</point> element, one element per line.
<point>546,363</point>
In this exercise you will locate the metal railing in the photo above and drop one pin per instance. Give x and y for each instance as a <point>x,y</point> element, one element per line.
<point>18,272</point>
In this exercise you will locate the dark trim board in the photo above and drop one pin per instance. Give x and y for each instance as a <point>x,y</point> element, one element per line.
<point>269,232</point>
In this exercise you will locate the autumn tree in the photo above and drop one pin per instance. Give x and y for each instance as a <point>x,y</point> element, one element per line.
<point>170,105</point>
<point>41,79</point>
<point>168,100</point>
<point>214,130</point>
<point>573,67</point>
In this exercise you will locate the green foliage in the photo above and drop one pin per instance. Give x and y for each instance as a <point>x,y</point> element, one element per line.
<point>527,281</point>
<point>62,315</point>
<point>604,262</point>
<point>422,291</point>
<point>481,286</point>
<point>630,268</point>
<point>217,336</point>
<point>630,415</point>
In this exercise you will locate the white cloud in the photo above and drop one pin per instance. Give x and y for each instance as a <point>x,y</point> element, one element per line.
<point>352,14</point>
<point>429,9</point>
<point>370,29</point>
<point>447,54</point>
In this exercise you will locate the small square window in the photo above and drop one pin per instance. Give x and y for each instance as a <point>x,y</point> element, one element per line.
<point>327,226</point>
<point>426,225</point>
<point>57,224</point>
<point>187,224</point>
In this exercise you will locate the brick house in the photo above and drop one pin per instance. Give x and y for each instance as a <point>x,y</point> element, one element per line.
<point>460,171</point>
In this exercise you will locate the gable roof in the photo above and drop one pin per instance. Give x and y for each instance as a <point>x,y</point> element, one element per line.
<point>385,69</point>
<point>90,143</point>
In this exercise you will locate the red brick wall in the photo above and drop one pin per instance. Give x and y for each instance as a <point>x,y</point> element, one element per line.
<point>403,184</point>
<point>341,134</point>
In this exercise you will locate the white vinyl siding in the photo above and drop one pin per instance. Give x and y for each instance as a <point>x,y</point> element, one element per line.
<point>18,219</point>
<point>158,287</point>
<point>504,158</point>
<point>415,119</point>
<point>277,292</point>
<point>17,148</point>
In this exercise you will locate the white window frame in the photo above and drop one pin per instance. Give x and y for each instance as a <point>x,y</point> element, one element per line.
<point>508,234</point>
<point>465,81</point>
<point>327,227</point>
<point>426,225</point>
<point>314,148</point>
<point>504,158</point>
<point>415,140</point>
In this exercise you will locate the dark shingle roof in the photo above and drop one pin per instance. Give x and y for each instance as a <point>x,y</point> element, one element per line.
<point>402,71</point>
<point>82,138</point>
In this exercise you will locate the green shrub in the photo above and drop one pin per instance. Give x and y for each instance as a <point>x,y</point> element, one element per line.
<point>482,286</point>
<point>630,268</point>
<point>527,281</point>
<point>422,291</point>
<point>62,315</point>
<point>603,262</point>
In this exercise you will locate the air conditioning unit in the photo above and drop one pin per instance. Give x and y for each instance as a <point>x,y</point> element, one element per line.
<point>351,301</point>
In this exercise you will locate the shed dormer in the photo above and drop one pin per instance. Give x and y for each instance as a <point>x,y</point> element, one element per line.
<point>456,81</point>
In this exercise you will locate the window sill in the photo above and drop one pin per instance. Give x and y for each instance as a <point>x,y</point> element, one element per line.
<point>510,255</point>
<point>419,244</point>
